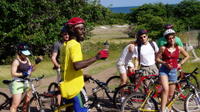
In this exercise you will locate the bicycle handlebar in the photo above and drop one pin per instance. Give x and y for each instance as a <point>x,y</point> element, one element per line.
<point>23,80</point>
<point>101,84</point>
<point>195,71</point>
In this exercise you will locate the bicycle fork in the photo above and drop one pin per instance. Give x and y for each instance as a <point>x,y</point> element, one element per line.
<point>141,108</point>
<point>37,98</point>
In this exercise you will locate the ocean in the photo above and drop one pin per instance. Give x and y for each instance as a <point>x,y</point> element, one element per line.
<point>122,9</point>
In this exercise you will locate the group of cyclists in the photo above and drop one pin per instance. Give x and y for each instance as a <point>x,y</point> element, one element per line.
<point>70,63</point>
<point>159,58</point>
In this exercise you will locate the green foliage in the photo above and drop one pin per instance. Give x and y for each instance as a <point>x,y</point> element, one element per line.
<point>38,22</point>
<point>153,17</point>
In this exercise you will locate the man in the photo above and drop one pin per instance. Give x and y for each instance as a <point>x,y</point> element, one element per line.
<point>125,64</point>
<point>162,41</point>
<point>146,52</point>
<point>56,52</point>
<point>55,56</point>
<point>72,62</point>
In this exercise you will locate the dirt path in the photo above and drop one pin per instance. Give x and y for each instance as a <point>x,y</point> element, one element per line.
<point>102,76</point>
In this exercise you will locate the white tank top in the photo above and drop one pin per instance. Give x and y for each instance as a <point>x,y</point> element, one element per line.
<point>126,56</point>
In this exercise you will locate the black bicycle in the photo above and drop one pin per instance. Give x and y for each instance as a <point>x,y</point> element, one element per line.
<point>92,102</point>
<point>6,100</point>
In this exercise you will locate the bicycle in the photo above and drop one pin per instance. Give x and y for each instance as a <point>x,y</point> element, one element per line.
<point>114,81</point>
<point>6,101</point>
<point>146,102</point>
<point>90,102</point>
<point>137,84</point>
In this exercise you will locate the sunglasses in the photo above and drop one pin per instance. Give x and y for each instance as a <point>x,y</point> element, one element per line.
<point>143,36</point>
<point>80,28</point>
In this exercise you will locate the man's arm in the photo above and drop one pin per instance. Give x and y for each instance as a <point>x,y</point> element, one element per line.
<point>53,59</point>
<point>83,64</point>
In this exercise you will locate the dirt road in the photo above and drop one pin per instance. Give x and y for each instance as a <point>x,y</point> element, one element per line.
<point>102,76</point>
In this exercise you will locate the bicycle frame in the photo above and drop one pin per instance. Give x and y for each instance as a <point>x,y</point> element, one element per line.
<point>63,107</point>
<point>100,86</point>
<point>177,94</point>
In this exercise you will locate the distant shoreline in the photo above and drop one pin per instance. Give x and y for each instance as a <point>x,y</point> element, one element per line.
<point>122,9</point>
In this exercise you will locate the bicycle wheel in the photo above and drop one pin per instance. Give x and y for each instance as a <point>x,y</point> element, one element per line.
<point>36,104</point>
<point>194,81</point>
<point>4,101</point>
<point>192,103</point>
<point>178,104</point>
<point>121,93</point>
<point>112,83</point>
<point>134,102</point>
<point>53,87</point>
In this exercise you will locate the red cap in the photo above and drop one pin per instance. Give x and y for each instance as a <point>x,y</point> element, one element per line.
<point>75,20</point>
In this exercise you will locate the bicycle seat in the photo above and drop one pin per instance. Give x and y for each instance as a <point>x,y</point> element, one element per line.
<point>7,82</point>
<point>139,71</point>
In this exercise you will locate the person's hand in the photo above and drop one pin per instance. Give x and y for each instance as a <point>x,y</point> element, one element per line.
<point>131,69</point>
<point>179,66</point>
<point>168,66</point>
<point>103,54</point>
<point>38,59</point>
<point>25,74</point>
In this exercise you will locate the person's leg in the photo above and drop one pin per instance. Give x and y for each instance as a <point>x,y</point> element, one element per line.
<point>124,79</point>
<point>15,102</point>
<point>163,73</point>
<point>16,89</point>
<point>27,101</point>
<point>123,74</point>
<point>77,105</point>
<point>172,80</point>
<point>165,90</point>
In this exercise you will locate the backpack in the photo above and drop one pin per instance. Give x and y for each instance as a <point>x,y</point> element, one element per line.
<point>139,48</point>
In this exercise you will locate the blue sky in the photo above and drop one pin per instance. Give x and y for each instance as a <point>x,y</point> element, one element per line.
<point>122,3</point>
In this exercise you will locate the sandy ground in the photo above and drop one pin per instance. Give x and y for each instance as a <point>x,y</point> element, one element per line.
<point>102,76</point>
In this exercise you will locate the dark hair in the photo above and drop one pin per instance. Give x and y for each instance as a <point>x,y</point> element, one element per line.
<point>141,32</point>
<point>64,30</point>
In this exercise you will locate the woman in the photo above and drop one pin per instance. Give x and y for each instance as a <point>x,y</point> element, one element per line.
<point>168,56</point>
<point>21,68</point>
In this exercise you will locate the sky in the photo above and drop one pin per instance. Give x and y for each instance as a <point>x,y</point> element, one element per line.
<point>124,3</point>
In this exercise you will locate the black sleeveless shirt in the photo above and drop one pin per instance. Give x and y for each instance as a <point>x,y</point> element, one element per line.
<point>23,67</point>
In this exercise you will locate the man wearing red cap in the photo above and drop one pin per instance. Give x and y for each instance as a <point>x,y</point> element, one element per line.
<point>72,63</point>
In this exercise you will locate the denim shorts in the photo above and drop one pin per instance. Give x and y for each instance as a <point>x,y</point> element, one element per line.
<point>172,77</point>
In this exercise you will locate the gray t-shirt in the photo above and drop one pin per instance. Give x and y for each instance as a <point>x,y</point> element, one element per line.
<point>56,49</point>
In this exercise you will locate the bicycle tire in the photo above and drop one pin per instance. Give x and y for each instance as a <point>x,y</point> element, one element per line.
<point>178,104</point>
<point>52,87</point>
<point>5,101</point>
<point>36,104</point>
<point>112,83</point>
<point>192,103</point>
<point>194,81</point>
<point>134,101</point>
<point>121,93</point>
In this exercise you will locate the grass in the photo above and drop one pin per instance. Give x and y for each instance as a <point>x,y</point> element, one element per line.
<point>117,39</point>
<point>44,68</point>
